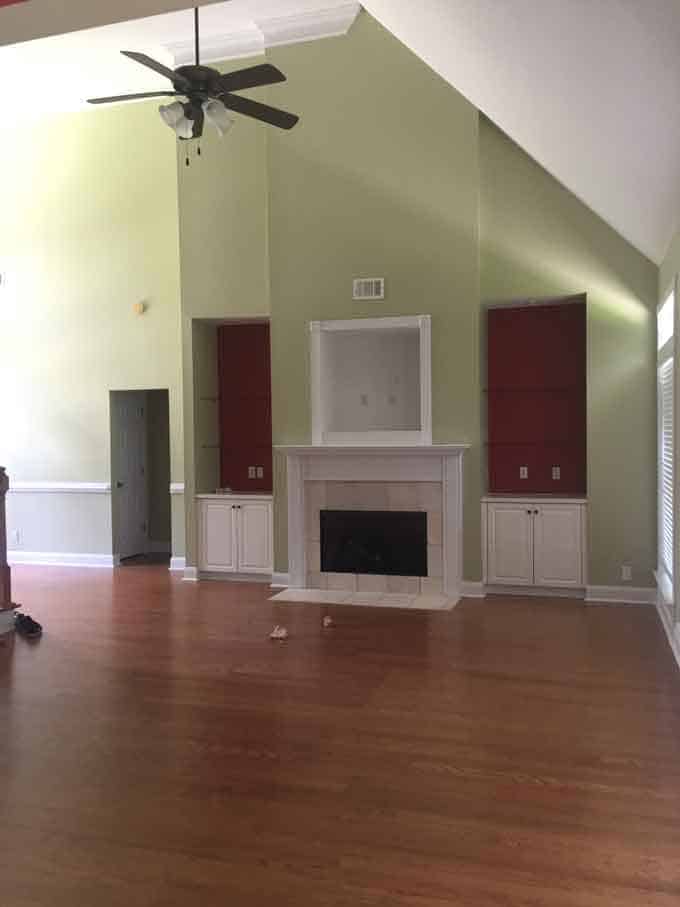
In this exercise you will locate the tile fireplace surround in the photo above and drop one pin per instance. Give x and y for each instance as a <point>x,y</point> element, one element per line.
<point>421,478</point>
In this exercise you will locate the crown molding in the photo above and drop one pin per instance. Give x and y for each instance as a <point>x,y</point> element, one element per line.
<point>214,48</point>
<point>322,23</point>
<point>272,32</point>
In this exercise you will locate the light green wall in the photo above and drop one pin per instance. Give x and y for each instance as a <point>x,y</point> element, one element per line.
<point>224,261</point>
<point>670,267</point>
<point>88,227</point>
<point>379,178</point>
<point>538,240</point>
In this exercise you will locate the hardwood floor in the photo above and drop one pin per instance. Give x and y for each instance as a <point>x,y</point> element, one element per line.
<point>158,749</point>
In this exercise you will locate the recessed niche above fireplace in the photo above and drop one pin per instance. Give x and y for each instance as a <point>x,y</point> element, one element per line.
<point>372,381</point>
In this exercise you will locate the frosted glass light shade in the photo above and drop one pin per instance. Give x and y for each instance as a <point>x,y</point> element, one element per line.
<point>218,116</point>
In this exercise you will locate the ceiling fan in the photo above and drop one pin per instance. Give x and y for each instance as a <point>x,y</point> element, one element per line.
<point>208,93</point>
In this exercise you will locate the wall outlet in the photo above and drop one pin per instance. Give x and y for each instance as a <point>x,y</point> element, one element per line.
<point>252,472</point>
<point>626,573</point>
<point>524,472</point>
<point>556,473</point>
<point>260,472</point>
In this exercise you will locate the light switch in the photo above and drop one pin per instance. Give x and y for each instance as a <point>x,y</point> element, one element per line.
<point>252,472</point>
<point>260,472</point>
<point>524,472</point>
<point>556,473</point>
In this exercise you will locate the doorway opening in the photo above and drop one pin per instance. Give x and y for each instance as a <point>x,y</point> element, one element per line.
<point>140,477</point>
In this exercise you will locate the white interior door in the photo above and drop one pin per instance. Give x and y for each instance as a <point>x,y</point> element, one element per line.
<point>217,542</point>
<point>558,545</point>
<point>254,536</point>
<point>510,545</point>
<point>128,478</point>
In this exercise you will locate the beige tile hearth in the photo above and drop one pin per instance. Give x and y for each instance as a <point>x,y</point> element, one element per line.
<point>365,599</point>
<point>404,585</point>
<point>374,583</point>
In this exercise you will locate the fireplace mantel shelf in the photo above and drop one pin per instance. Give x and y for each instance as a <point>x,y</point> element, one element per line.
<point>410,450</point>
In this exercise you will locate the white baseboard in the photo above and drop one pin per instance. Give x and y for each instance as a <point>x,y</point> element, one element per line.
<point>280,580</point>
<point>472,590</point>
<point>620,595</point>
<point>59,559</point>
<point>178,563</point>
<point>190,575</point>
<point>672,630</point>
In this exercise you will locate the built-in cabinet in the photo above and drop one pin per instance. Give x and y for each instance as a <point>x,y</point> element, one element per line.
<point>235,534</point>
<point>534,542</point>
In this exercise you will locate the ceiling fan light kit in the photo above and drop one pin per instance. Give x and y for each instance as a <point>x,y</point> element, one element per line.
<point>209,95</point>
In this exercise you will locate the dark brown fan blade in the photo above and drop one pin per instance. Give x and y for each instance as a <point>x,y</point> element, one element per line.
<point>178,81</point>
<point>265,74</point>
<point>264,112</point>
<point>133,97</point>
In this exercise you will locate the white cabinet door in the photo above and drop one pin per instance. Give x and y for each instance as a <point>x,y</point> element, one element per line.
<point>254,536</point>
<point>558,545</point>
<point>510,545</point>
<point>217,530</point>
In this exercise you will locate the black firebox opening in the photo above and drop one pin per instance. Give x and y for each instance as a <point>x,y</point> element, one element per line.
<point>392,543</point>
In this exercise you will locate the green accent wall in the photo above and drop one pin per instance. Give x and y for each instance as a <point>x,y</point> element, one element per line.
<point>380,178</point>
<point>538,240</point>
<point>88,228</point>
<point>223,212</point>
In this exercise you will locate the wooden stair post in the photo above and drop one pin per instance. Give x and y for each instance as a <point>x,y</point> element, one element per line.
<point>6,620</point>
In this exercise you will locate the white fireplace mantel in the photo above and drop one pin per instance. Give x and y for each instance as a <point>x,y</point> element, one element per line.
<point>440,463</point>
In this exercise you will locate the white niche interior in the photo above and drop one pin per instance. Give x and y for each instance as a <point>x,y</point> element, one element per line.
<point>371,381</point>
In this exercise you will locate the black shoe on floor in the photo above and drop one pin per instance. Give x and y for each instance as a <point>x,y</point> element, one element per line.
<point>26,626</point>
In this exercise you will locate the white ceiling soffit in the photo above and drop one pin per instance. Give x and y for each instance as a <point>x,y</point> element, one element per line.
<point>591,90</point>
<point>88,64</point>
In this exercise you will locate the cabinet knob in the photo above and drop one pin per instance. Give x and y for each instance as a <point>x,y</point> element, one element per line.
<point>536,512</point>
<point>529,512</point>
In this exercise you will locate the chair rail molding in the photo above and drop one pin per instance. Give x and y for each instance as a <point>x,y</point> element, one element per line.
<point>60,488</point>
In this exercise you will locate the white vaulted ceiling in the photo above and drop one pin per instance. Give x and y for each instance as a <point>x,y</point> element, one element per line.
<point>589,88</point>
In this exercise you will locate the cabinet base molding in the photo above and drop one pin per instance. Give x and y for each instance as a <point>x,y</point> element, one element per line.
<point>537,591</point>
<point>190,575</point>
<point>620,595</point>
<point>178,564</point>
<point>280,580</point>
<point>217,576</point>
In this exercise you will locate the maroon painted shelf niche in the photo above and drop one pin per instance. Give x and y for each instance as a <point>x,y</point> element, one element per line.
<point>536,399</point>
